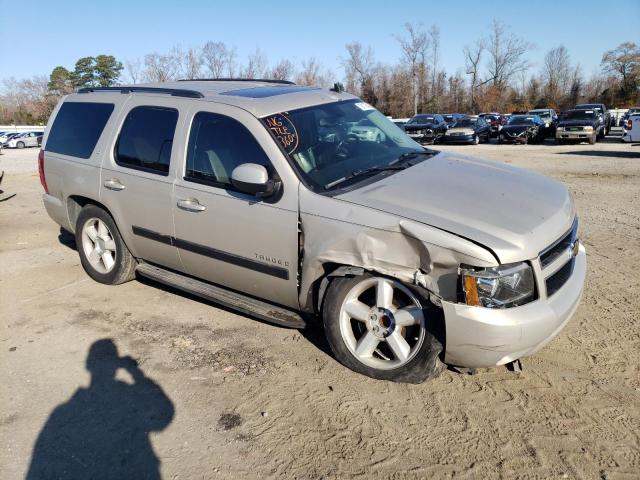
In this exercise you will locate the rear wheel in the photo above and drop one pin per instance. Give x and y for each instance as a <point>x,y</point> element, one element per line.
<point>381,328</point>
<point>20,145</point>
<point>103,253</point>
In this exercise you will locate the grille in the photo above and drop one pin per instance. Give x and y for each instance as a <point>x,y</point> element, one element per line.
<point>550,254</point>
<point>574,129</point>
<point>558,279</point>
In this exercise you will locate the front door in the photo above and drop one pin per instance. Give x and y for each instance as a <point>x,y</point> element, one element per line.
<point>225,236</point>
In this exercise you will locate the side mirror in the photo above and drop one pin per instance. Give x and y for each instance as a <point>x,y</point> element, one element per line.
<point>253,179</point>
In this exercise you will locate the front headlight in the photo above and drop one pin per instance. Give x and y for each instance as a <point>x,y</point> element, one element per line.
<point>499,287</point>
<point>588,129</point>
<point>560,129</point>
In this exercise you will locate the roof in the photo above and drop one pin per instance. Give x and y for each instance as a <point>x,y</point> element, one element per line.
<point>259,97</point>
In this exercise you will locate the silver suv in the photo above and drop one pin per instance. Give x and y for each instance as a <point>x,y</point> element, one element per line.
<point>259,195</point>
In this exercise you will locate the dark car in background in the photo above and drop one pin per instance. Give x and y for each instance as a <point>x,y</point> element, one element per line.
<point>550,119</point>
<point>426,127</point>
<point>579,126</point>
<point>604,112</point>
<point>495,120</point>
<point>468,130</point>
<point>522,129</point>
<point>452,118</point>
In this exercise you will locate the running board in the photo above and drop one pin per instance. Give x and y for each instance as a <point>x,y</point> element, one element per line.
<point>237,301</point>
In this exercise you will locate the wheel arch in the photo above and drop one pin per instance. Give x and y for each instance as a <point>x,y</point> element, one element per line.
<point>75,203</point>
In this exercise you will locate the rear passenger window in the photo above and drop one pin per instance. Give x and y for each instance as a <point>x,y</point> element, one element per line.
<point>77,128</point>
<point>217,145</point>
<point>146,139</point>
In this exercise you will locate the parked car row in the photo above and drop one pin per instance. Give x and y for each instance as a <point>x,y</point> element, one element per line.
<point>21,139</point>
<point>585,122</point>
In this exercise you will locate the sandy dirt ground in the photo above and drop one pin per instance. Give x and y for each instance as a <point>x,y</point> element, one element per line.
<point>219,395</point>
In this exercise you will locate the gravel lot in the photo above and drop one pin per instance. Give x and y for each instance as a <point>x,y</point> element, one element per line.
<point>236,398</point>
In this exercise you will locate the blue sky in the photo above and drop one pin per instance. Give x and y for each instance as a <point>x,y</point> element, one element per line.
<point>47,33</point>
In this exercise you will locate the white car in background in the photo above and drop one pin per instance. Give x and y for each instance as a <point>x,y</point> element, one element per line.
<point>365,131</point>
<point>631,129</point>
<point>26,139</point>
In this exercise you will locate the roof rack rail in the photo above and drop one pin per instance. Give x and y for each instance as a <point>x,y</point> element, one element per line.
<point>176,92</point>
<point>265,80</point>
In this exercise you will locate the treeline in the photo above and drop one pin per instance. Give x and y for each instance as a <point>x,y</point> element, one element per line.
<point>497,75</point>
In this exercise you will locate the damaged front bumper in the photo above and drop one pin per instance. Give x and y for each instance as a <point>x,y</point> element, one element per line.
<point>485,337</point>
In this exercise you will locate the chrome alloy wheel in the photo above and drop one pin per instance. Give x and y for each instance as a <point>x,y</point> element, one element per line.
<point>98,245</point>
<point>382,323</point>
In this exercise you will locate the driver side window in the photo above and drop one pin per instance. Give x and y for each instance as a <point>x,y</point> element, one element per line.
<point>217,145</point>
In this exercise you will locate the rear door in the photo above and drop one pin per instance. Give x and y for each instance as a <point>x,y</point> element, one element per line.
<point>137,176</point>
<point>226,236</point>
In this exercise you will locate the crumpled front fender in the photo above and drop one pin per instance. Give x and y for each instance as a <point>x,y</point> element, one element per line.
<point>340,233</point>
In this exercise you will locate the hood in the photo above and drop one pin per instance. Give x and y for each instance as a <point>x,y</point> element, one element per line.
<point>515,129</point>
<point>419,126</point>
<point>463,130</point>
<point>513,212</point>
<point>577,123</point>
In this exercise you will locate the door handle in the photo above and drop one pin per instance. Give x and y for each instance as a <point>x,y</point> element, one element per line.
<point>191,205</point>
<point>113,184</point>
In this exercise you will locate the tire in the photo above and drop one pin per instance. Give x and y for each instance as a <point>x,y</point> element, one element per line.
<point>476,140</point>
<point>97,232</point>
<point>360,315</point>
<point>20,145</point>
<point>592,140</point>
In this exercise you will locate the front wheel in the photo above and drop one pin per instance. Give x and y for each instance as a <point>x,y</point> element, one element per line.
<point>381,328</point>
<point>103,253</point>
<point>20,145</point>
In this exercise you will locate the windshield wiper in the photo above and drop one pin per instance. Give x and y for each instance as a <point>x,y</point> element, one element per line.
<point>393,165</point>
<point>409,155</point>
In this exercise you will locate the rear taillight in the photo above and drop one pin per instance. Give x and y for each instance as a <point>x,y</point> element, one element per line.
<point>43,180</point>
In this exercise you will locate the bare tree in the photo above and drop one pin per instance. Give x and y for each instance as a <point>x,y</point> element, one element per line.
<point>189,62</point>
<point>27,100</point>
<point>160,67</point>
<point>556,73</point>
<point>283,70</point>
<point>358,66</point>
<point>218,59</point>
<point>472,59</point>
<point>256,66</point>
<point>414,51</point>
<point>434,36</point>
<point>133,69</point>
<point>312,73</point>
<point>506,54</point>
<point>624,62</point>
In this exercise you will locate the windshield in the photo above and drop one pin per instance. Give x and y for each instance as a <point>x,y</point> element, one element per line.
<point>421,119</point>
<point>542,114</point>
<point>332,141</point>
<point>522,120</point>
<point>465,123</point>
<point>579,115</point>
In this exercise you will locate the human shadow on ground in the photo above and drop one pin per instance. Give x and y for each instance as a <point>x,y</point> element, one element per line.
<point>603,153</point>
<point>102,432</point>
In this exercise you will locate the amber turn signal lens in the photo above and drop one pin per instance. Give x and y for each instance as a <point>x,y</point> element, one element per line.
<point>471,290</point>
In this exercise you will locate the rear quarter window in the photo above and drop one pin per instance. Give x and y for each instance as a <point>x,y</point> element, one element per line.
<point>77,128</point>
